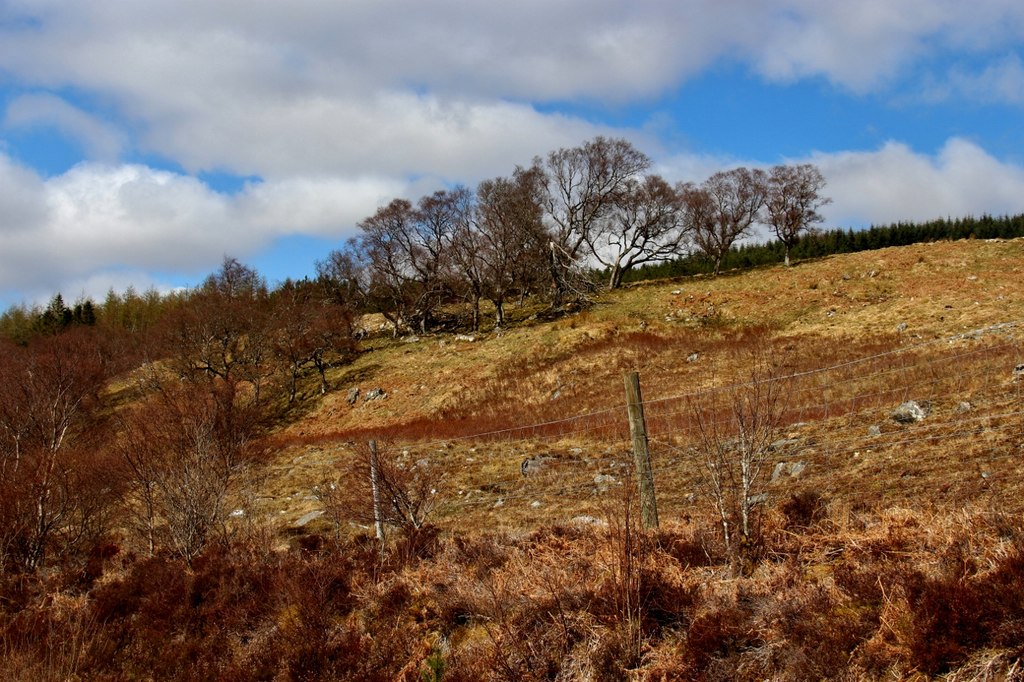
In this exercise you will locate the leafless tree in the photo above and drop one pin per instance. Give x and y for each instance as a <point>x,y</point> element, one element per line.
<point>183,450</point>
<point>512,240</point>
<point>645,224</point>
<point>408,490</point>
<point>723,210</point>
<point>221,331</point>
<point>792,202</point>
<point>48,400</point>
<point>737,426</point>
<point>583,185</point>
<point>307,330</point>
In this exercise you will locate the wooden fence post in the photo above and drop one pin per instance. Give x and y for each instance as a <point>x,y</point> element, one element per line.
<point>378,518</point>
<point>641,452</point>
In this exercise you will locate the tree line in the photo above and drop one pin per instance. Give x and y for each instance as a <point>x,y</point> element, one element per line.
<point>546,229</point>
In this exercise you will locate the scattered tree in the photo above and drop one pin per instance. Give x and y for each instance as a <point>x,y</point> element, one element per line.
<point>725,209</point>
<point>793,197</point>
<point>646,223</point>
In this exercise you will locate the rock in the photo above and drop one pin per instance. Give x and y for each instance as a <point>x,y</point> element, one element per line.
<point>306,518</point>
<point>353,396</point>
<point>901,327</point>
<point>536,504</point>
<point>237,513</point>
<point>963,406</point>
<point>790,469</point>
<point>604,480</point>
<point>532,465</point>
<point>782,444</point>
<point>556,394</point>
<point>375,394</point>
<point>411,339</point>
<point>1018,371</point>
<point>909,412</point>
<point>588,521</point>
<point>693,357</point>
<point>875,430</point>
<point>465,337</point>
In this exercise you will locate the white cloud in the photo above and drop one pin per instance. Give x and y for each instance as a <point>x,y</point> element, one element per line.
<point>101,140</point>
<point>98,225</point>
<point>402,86</point>
<point>1000,82</point>
<point>895,183</point>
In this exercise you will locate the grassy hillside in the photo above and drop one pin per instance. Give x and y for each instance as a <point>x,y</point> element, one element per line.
<point>681,336</point>
<point>879,548</point>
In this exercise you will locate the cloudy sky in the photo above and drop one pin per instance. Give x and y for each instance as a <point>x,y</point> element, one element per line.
<point>141,141</point>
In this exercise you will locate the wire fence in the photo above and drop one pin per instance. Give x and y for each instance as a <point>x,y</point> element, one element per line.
<point>835,430</point>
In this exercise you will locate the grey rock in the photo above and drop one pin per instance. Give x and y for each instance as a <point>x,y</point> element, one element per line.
<point>789,469</point>
<point>783,444</point>
<point>875,430</point>
<point>306,518</point>
<point>604,480</point>
<point>237,513</point>
<point>909,412</point>
<point>411,339</point>
<point>901,327</point>
<point>693,357</point>
<point>1018,371</point>
<point>964,406</point>
<point>532,465</point>
<point>588,521</point>
<point>465,337</point>
<point>375,394</point>
<point>353,395</point>
<point>536,504</point>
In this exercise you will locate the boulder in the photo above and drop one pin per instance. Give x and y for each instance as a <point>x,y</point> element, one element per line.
<point>909,412</point>
<point>353,396</point>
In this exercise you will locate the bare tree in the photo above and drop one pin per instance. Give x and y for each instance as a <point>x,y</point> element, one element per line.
<point>307,330</point>
<point>792,202</point>
<point>48,400</point>
<point>737,426</point>
<point>407,491</point>
<point>183,450</point>
<point>645,224</point>
<point>583,185</point>
<point>512,240</point>
<point>221,331</point>
<point>724,209</point>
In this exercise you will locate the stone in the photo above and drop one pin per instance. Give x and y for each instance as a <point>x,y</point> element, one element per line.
<point>790,469</point>
<point>963,406</point>
<point>783,444</point>
<point>901,327</point>
<point>909,412</point>
<point>536,504</point>
<point>693,357</point>
<point>1018,371</point>
<point>353,396</point>
<point>375,394</point>
<point>306,518</point>
<point>588,521</point>
<point>465,337</point>
<point>531,466</point>
<point>411,339</point>
<point>875,430</point>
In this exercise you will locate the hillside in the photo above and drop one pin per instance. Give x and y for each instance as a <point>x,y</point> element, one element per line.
<point>812,316</point>
<point>836,455</point>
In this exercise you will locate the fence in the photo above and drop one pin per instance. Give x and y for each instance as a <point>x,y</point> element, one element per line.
<point>829,429</point>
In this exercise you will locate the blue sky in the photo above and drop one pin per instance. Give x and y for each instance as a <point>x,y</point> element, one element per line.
<point>142,142</point>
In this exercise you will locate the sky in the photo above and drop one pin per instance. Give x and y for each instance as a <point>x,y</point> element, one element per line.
<point>141,142</point>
